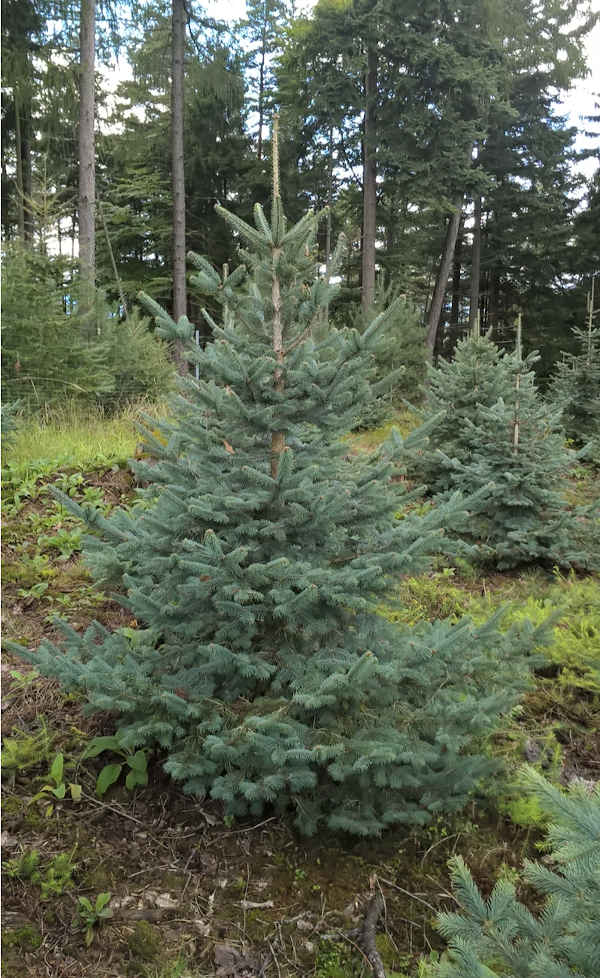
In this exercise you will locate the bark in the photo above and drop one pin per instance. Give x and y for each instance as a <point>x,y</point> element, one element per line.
<point>27,178</point>
<point>368,934</point>
<point>178,173</point>
<point>475,265</point>
<point>456,285</point>
<point>369,181</point>
<point>261,92</point>
<point>87,160</point>
<point>19,168</point>
<point>439,292</point>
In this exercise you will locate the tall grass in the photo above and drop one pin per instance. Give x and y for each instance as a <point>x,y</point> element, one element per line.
<point>76,436</point>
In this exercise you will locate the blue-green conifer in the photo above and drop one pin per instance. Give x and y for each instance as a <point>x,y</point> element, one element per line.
<point>496,437</point>
<point>255,563</point>
<point>501,937</point>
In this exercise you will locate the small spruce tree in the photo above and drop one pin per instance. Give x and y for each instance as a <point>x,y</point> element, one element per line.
<point>497,438</point>
<point>500,937</point>
<point>255,562</point>
<point>576,389</point>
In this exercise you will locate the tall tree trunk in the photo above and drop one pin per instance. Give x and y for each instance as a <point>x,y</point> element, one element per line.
<point>19,167</point>
<point>177,173</point>
<point>475,265</point>
<point>26,128</point>
<point>261,89</point>
<point>456,285</point>
<point>437,300</point>
<point>87,157</point>
<point>369,181</point>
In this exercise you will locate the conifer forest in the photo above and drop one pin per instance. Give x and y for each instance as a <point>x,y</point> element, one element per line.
<point>301,489</point>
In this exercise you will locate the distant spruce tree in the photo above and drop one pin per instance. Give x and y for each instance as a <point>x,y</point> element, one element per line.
<point>254,563</point>
<point>576,389</point>
<point>495,436</point>
<point>500,936</point>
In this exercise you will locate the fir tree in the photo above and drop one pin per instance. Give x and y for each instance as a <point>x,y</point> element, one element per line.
<point>496,437</point>
<point>255,562</point>
<point>501,936</point>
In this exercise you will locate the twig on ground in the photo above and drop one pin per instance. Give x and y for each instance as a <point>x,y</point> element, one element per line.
<point>413,896</point>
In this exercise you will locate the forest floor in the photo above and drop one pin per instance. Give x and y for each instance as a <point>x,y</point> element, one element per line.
<point>193,894</point>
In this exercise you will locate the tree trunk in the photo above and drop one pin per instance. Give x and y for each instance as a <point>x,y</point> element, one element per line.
<point>26,128</point>
<point>87,160</point>
<point>475,265</point>
<point>177,173</point>
<point>19,167</point>
<point>261,92</point>
<point>369,181</point>
<point>437,300</point>
<point>456,285</point>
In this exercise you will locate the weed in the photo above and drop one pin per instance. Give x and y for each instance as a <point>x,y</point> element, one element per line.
<point>93,914</point>
<point>23,867</point>
<point>67,542</point>
<point>24,939</point>
<point>23,751</point>
<point>136,761</point>
<point>58,876</point>
<point>53,881</point>
<point>58,787</point>
<point>29,570</point>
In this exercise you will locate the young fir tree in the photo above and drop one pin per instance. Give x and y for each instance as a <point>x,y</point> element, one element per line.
<point>501,936</point>
<point>576,388</point>
<point>497,437</point>
<point>255,565</point>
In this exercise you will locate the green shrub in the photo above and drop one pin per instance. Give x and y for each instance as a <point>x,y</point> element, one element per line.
<point>50,353</point>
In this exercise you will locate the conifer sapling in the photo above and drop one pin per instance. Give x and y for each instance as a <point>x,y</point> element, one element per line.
<point>255,562</point>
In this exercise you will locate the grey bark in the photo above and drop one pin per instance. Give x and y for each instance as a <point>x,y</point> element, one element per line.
<point>475,264</point>
<point>19,167</point>
<point>178,173</point>
<point>369,181</point>
<point>437,300</point>
<point>87,159</point>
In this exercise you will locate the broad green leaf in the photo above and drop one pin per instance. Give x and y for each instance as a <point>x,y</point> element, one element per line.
<point>56,771</point>
<point>60,791</point>
<point>139,761</point>
<point>101,900</point>
<point>136,777</point>
<point>108,775</point>
<point>100,744</point>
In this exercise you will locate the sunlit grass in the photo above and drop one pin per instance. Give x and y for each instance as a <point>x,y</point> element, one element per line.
<point>370,439</point>
<point>76,436</point>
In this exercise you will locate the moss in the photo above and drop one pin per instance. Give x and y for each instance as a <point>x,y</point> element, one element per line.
<point>98,879</point>
<point>145,943</point>
<point>11,806</point>
<point>25,938</point>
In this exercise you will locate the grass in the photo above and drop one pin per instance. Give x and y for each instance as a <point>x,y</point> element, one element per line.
<point>75,437</point>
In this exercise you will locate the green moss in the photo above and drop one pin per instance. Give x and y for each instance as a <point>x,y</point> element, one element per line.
<point>145,943</point>
<point>98,879</point>
<point>25,938</point>
<point>11,806</point>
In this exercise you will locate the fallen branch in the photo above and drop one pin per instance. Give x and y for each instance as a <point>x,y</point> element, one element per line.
<point>368,933</point>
